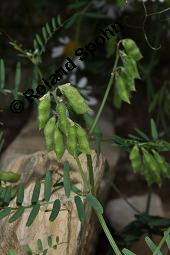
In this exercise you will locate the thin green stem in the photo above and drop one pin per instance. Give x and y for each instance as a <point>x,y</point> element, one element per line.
<point>85,181</point>
<point>100,216</point>
<point>77,33</point>
<point>91,174</point>
<point>105,95</point>
<point>162,242</point>
<point>159,12</point>
<point>108,234</point>
<point>125,199</point>
<point>149,198</point>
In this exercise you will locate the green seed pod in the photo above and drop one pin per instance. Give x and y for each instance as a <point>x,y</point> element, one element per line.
<point>62,117</point>
<point>121,88</point>
<point>9,176</point>
<point>135,158</point>
<point>74,98</point>
<point>82,140</point>
<point>59,147</point>
<point>49,133</point>
<point>72,140</point>
<point>132,49</point>
<point>164,167</point>
<point>44,107</point>
<point>152,169</point>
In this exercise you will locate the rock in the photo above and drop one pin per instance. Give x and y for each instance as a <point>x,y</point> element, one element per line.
<point>74,238</point>
<point>26,156</point>
<point>119,213</point>
<point>106,124</point>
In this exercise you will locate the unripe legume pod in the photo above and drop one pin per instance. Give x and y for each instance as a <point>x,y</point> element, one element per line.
<point>132,49</point>
<point>49,133</point>
<point>44,108</point>
<point>152,169</point>
<point>72,140</point>
<point>9,176</point>
<point>164,168</point>
<point>62,117</point>
<point>135,158</point>
<point>59,147</point>
<point>74,98</point>
<point>82,140</point>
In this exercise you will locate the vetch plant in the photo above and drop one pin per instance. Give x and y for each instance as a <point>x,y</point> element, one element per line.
<point>60,112</point>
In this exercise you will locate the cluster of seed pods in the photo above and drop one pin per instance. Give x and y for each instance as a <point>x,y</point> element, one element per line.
<point>60,131</point>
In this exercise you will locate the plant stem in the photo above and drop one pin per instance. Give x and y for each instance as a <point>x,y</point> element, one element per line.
<point>105,95</point>
<point>124,198</point>
<point>77,33</point>
<point>162,242</point>
<point>148,200</point>
<point>91,174</point>
<point>108,234</point>
<point>86,184</point>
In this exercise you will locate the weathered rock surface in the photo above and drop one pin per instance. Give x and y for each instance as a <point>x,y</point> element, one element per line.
<point>120,213</point>
<point>25,156</point>
<point>74,238</point>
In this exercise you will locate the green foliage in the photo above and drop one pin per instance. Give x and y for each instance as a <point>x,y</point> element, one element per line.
<point>62,113</point>
<point>154,131</point>
<point>8,193</point>
<point>12,252</point>
<point>20,195</point>
<point>59,130</point>
<point>151,245</point>
<point>49,133</point>
<point>9,176</point>
<point>33,214</point>
<point>160,106</point>
<point>132,49</point>
<point>72,139</point>
<point>44,107</point>
<point>67,183</point>
<point>15,89</point>
<point>83,142</point>
<point>97,132</point>
<point>48,30</point>
<point>19,212</point>
<point>144,154</point>
<point>127,73</point>
<point>59,146</point>
<point>5,212</point>
<point>110,47</point>
<point>75,100</point>
<point>94,203</point>
<point>17,80</point>
<point>41,250</point>
<point>80,208</point>
<point>36,192</point>
<point>55,210</point>
<point>1,140</point>
<point>143,224</point>
<point>48,186</point>
<point>39,43</point>
<point>127,252</point>
<point>155,249</point>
